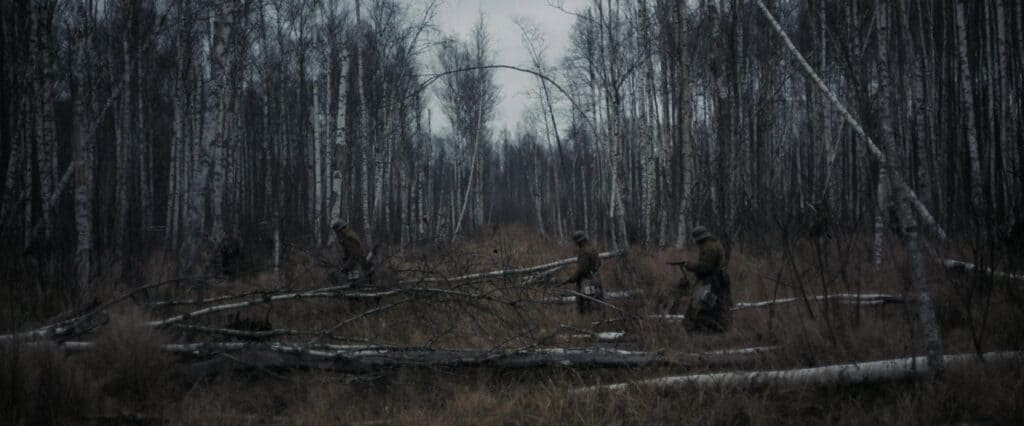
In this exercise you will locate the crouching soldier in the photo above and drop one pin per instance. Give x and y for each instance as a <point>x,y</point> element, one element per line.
<point>710,304</point>
<point>586,275</point>
<point>354,256</point>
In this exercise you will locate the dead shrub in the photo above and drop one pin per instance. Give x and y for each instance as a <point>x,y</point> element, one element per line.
<point>39,384</point>
<point>127,360</point>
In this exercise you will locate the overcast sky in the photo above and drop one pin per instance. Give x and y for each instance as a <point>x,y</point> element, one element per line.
<point>459,16</point>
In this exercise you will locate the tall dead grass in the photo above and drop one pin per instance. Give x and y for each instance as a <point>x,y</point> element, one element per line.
<point>126,372</point>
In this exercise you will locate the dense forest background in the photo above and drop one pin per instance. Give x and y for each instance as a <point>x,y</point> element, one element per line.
<point>131,127</point>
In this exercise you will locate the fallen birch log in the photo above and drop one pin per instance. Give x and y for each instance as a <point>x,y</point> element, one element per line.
<point>958,265</point>
<point>364,358</point>
<point>368,360</point>
<point>600,336</point>
<point>547,268</point>
<point>859,299</point>
<point>74,326</point>
<point>71,327</point>
<point>329,293</point>
<point>852,299</point>
<point>611,295</point>
<point>841,374</point>
<point>91,317</point>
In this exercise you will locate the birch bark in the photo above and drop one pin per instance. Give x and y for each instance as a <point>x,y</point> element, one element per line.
<point>84,155</point>
<point>967,97</point>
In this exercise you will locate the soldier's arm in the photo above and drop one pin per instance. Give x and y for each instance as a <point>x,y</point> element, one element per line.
<point>705,264</point>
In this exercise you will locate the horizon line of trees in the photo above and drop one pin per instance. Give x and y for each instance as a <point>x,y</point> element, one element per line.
<point>132,125</point>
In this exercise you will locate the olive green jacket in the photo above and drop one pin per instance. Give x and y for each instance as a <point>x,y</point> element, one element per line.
<point>710,260</point>
<point>351,244</point>
<point>587,262</point>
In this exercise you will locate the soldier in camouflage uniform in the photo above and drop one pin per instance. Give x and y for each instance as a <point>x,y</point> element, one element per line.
<point>354,255</point>
<point>586,275</point>
<point>709,309</point>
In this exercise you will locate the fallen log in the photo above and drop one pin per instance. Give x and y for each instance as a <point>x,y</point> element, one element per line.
<point>601,336</point>
<point>79,324</point>
<point>841,374</point>
<point>547,268</point>
<point>611,295</point>
<point>857,299</point>
<point>851,299</point>
<point>958,265</point>
<point>366,358</point>
<point>92,317</point>
<point>72,327</point>
<point>329,293</point>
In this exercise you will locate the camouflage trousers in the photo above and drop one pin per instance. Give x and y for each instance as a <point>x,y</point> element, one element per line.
<point>592,288</point>
<point>710,307</point>
<point>354,269</point>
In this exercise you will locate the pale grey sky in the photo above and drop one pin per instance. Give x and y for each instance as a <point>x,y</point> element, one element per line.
<point>459,16</point>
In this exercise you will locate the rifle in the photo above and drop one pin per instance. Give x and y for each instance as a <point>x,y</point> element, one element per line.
<point>679,263</point>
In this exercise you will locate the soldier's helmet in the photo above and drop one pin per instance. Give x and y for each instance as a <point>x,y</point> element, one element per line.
<point>700,233</point>
<point>338,225</point>
<point>579,237</point>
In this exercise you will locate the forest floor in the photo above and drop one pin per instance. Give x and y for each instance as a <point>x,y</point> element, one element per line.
<point>126,378</point>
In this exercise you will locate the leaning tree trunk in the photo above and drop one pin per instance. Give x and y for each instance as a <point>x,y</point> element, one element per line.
<point>905,197</point>
<point>904,203</point>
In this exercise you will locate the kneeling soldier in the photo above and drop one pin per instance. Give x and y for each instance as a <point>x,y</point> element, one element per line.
<point>586,276</point>
<point>354,255</point>
<point>710,305</point>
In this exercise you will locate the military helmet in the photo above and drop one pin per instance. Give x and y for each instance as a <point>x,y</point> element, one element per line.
<point>338,225</point>
<point>700,233</point>
<point>579,237</point>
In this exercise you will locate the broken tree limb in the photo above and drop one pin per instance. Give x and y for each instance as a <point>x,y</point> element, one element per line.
<point>601,336</point>
<point>875,151</point>
<point>359,360</point>
<point>859,299</point>
<point>72,326</point>
<point>832,375</point>
<point>570,297</point>
<point>366,358</point>
<point>958,265</point>
<point>328,292</point>
<point>907,200</point>
<point>87,320</point>
<point>547,268</point>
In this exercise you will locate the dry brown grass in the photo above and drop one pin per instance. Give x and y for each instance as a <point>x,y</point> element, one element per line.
<point>126,372</point>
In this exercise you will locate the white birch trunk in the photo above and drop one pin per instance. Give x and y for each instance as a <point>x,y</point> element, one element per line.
<point>683,127</point>
<point>648,119</point>
<point>84,154</point>
<point>841,374</point>
<point>905,197</point>
<point>123,140</point>
<point>338,157</point>
<point>42,14</point>
<point>1004,105</point>
<point>904,205</point>
<point>967,98</point>
<point>423,161</point>
<point>880,217</point>
<point>314,117</point>
<point>211,142</point>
